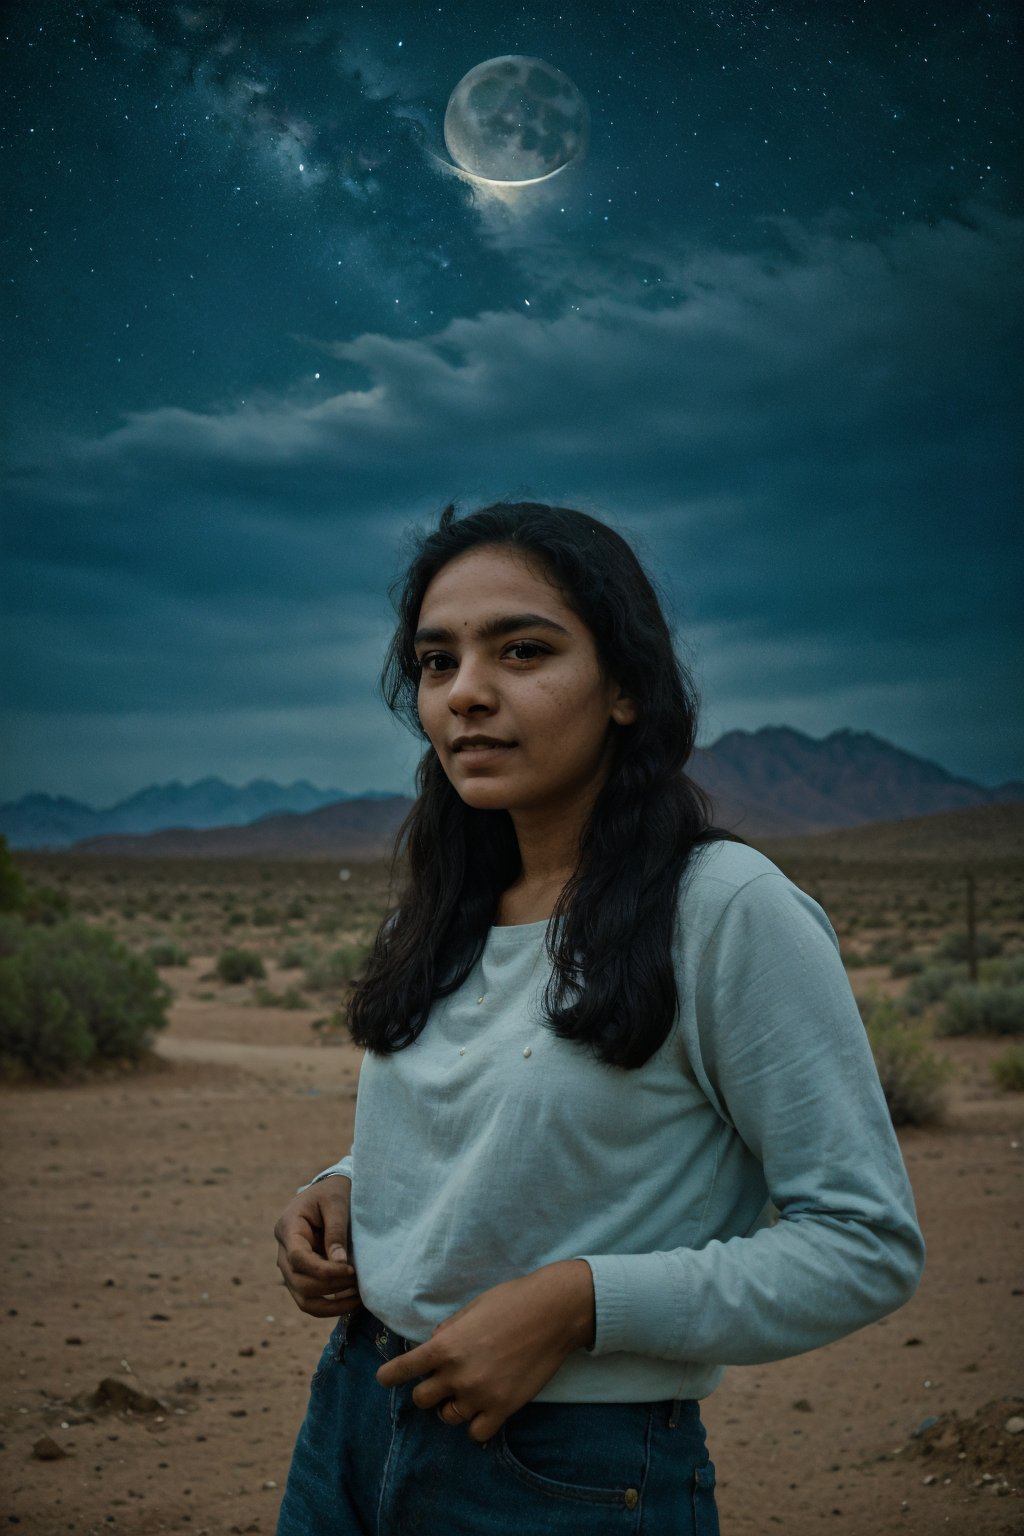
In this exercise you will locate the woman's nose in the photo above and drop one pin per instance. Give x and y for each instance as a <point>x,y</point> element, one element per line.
<point>473,684</point>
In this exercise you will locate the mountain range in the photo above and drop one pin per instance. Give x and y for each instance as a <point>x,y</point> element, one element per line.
<point>774,782</point>
<point>54,821</point>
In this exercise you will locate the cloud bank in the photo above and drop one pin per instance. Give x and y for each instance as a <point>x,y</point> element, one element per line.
<point>812,450</point>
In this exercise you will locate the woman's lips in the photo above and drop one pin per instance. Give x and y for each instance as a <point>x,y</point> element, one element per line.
<point>481,755</point>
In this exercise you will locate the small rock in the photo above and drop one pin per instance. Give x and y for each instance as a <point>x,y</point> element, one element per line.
<point>72,1339</point>
<point>125,1393</point>
<point>802,1405</point>
<point>925,1424</point>
<point>909,1343</point>
<point>47,1449</point>
<point>931,1478</point>
<point>1014,1426</point>
<point>247,1351</point>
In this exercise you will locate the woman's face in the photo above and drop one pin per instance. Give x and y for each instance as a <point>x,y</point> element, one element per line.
<point>503,656</point>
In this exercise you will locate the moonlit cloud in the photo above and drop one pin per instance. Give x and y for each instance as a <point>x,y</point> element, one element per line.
<point>804,477</point>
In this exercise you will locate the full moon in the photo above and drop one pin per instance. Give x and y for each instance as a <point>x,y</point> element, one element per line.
<point>515,120</point>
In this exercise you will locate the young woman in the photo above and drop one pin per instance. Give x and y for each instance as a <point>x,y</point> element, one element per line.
<point>618,1122</point>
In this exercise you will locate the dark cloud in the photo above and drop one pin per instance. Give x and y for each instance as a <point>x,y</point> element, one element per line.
<point>815,465</point>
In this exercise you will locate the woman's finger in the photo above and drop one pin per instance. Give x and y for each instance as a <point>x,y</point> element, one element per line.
<point>431,1391</point>
<point>303,1261</point>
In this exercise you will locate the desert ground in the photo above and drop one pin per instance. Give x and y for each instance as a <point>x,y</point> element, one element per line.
<point>139,1207</point>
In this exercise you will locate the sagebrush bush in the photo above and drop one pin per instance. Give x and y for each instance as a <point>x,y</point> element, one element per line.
<point>983,1009</point>
<point>69,992</point>
<point>906,965</point>
<point>1008,1069</point>
<point>931,985</point>
<point>954,946</point>
<point>1007,971</point>
<point>236,965</point>
<point>886,949</point>
<point>12,885</point>
<point>166,952</point>
<point>295,957</point>
<point>327,972</point>
<point>913,1078</point>
<point>291,997</point>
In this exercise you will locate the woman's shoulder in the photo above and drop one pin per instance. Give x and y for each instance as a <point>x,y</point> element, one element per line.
<point>716,870</point>
<point>723,876</point>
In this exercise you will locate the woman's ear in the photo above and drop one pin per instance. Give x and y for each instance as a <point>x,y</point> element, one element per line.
<point>624,710</point>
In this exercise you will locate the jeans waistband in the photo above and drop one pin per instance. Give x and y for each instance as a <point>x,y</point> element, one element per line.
<point>390,1344</point>
<point>387,1341</point>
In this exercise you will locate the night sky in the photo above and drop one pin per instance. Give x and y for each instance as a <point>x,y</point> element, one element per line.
<point>255,326</point>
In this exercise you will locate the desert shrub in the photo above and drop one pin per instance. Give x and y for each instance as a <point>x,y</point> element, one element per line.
<point>166,952</point>
<point>43,904</point>
<point>1008,1069</point>
<point>12,886</point>
<point>913,1078</point>
<point>295,957</point>
<point>295,911</point>
<point>69,992</point>
<point>954,946</point>
<point>11,930</point>
<point>236,919</point>
<point>983,1009</point>
<point>236,965</point>
<point>291,997</point>
<point>931,985</point>
<point>327,972</point>
<point>906,965</point>
<point>886,949</point>
<point>1008,970</point>
<point>263,917</point>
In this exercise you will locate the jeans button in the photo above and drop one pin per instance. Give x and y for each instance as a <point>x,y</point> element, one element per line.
<point>632,1498</point>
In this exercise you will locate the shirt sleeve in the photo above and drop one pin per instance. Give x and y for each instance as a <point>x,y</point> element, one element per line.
<point>344,1167</point>
<point>779,1036</point>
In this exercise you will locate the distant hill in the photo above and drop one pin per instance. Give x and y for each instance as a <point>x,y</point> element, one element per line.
<point>778,782</point>
<point>771,783</point>
<point>982,834</point>
<point>349,829</point>
<point>54,821</point>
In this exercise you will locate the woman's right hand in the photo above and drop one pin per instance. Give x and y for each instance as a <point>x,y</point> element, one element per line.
<point>314,1239</point>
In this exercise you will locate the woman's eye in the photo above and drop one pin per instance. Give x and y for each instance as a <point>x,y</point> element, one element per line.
<point>527,645</point>
<point>432,661</point>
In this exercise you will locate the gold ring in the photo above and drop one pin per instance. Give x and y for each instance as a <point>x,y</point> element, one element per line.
<point>449,1403</point>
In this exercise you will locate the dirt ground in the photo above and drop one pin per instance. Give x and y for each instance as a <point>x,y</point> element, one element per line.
<point>138,1216</point>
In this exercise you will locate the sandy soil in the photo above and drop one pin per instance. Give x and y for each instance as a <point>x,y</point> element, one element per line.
<point>138,1217</point>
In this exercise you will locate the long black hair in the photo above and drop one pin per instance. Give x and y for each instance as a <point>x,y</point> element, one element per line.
<point>612,985</point>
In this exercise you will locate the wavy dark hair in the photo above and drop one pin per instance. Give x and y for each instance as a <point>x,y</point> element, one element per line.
<point>612,985</point>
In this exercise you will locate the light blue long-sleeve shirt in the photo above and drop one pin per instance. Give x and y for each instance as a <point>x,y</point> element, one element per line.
<point>740,1198</point>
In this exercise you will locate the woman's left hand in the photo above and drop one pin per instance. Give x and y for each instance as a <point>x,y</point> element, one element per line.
<point>498,1351</point>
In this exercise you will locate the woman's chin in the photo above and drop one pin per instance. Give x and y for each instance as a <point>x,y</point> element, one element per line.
<point>482,796</point>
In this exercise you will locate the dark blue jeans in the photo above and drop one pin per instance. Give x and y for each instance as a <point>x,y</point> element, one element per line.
<point>369,1462</point>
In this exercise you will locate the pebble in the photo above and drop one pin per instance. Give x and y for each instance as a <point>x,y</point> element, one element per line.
<point>47,1449</point>
<point>1015,1425</point>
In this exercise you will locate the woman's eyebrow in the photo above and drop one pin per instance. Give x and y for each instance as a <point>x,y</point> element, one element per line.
<point>492,629</point>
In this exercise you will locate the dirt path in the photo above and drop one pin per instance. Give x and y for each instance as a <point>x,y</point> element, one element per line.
<point>138,1218</point>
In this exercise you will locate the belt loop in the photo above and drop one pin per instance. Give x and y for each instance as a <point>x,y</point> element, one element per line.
<point>673,1418</point>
